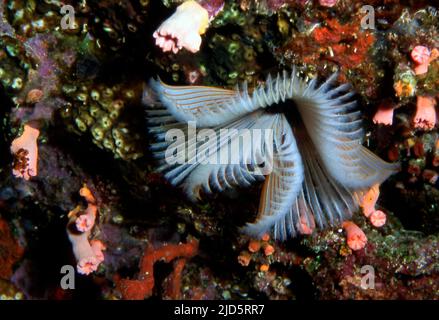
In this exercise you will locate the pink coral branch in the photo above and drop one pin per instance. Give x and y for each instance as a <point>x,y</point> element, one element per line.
<point>87,262</point>
<point>86,221</point>
<point>422,57</point>
<point>356,239</point>
<point>384,115</point>
<point>89,254</point>
<point>183,28</point>
<point>425,116</point>
<point>25,151</point>
<point>368,204</point>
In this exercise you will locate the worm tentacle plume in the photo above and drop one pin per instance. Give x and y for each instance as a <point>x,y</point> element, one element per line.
<point>315,171</point>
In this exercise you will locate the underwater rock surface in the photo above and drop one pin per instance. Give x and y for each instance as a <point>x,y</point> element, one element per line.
<point>74,83</point>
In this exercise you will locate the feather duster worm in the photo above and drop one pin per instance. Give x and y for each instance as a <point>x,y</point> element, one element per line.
<point>316,180</point>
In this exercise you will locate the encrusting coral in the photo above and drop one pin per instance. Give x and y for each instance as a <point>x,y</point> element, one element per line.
<point>142,287</point>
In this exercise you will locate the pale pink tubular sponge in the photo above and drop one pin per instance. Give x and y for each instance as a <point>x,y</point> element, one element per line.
<point>84,253</point>
<point>88,254</point>
<point>356,239</point>
<point>384,115</point>
<point>183,29</point>
<point>425,116</point>
<point>25,151</point>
